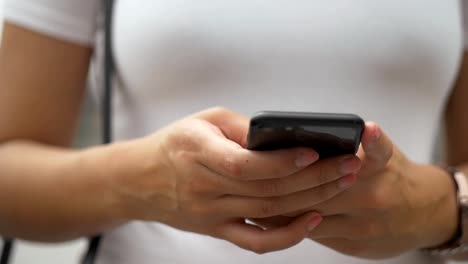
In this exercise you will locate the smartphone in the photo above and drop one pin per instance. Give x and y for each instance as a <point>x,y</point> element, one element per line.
<point>328,134</point>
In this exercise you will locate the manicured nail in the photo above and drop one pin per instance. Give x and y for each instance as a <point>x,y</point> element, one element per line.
<point>349,164</point>
<point>314,222</point>
<point>347,181</point>
<point>305,159</point>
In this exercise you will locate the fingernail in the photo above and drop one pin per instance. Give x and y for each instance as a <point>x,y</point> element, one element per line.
<point>347,181</point>
<point>305,159</point>
<point>349,164</point>
<point>314,222</point>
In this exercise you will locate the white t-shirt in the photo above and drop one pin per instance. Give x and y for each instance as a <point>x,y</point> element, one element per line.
<point>392,61</point>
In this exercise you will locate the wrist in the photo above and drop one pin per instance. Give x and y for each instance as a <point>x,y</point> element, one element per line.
<point>132,176</point>
<point>459,241</point>
<point>97,167</point>
<point>443,216</point>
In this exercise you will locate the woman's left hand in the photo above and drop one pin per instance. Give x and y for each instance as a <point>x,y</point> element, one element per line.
<point>395,206</point>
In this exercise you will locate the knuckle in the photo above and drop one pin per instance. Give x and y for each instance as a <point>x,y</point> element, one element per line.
<point>184,138</point>
<point>268,208</point>
<point>232,167</point>
<point>189,188</point>
<point>371,230</point>
<point>200,211</point>
<point>183,155</point>
<point>378,199</point>
<point>193,209</point>
<point>387,156</point>
<point>258,248</point>
<point>272,188</point>
<point>327,191</point>
<point>322,175</point>
<point>218,109</point>
<point>180,159</point>
<point>201,186</point>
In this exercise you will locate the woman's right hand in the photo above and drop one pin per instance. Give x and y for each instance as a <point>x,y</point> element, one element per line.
<point>196,175</point>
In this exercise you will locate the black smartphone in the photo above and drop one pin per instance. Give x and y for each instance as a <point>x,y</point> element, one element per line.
<point>328,134</point>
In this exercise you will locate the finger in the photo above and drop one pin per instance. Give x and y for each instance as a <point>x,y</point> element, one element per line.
<point>229,159</point>
<point>233,125</point>
<point>320,173</point>
<point>258,240</point>
<point>248,207</point>
<point>273,222</point>
<point>341,203</point>
<point>377,146</point>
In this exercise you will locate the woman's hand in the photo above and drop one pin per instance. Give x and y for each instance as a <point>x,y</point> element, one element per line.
<point>396,205</point>
<point>197,176</point>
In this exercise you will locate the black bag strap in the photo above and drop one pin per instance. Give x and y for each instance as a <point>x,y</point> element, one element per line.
<point>109,68</point>
<point>6,250</point>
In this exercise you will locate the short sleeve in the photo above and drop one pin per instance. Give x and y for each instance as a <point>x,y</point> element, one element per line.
<point>70,20</point>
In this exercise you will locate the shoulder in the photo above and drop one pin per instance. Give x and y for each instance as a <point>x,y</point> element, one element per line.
<point>69,20</point>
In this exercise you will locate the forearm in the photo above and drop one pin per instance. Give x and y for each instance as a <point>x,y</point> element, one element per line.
<point>53,194</point>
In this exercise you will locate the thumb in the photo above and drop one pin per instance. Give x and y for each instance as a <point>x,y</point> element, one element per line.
<point>260,240</point>
<point>233,125</point>
<point>377,146</point>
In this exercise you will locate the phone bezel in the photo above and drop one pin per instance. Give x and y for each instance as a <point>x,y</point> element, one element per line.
<point>285,120</point>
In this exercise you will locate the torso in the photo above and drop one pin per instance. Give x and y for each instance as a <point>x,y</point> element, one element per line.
<point>390,61</point>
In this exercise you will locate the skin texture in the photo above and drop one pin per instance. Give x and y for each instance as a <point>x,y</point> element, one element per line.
<point>195,174</point>
<point>395,206</point>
